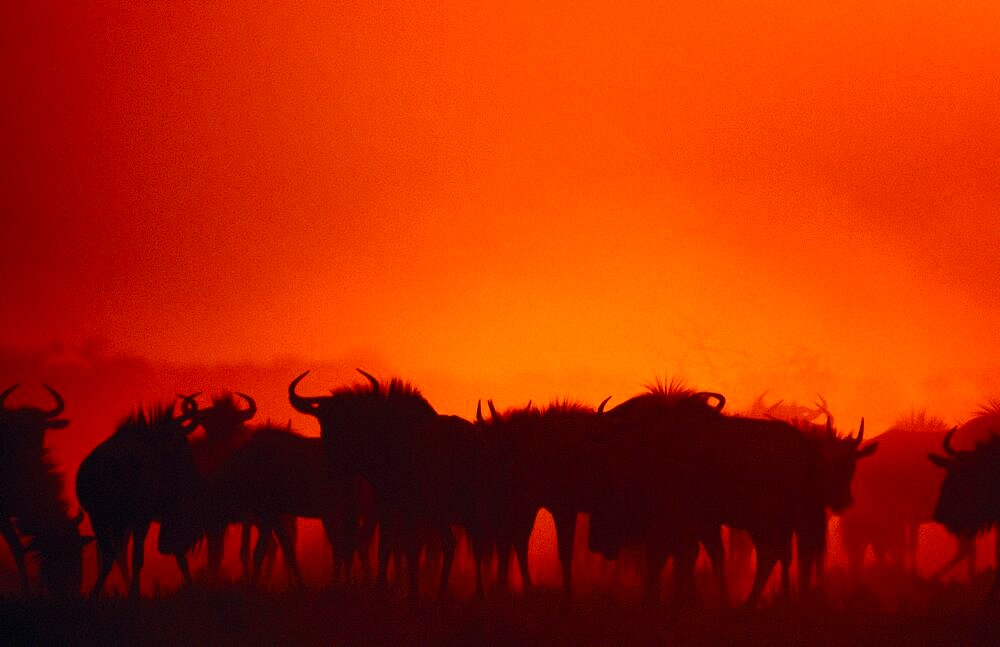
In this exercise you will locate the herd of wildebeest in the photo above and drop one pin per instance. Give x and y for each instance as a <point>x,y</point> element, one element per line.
<point>661,473</point>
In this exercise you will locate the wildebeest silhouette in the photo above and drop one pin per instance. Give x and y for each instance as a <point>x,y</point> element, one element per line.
<point>32,507</point>
<point>969,501</point>
<point>227,429</point>
<point>895,494</point>
<point>142,473</point>
<point>639,507</point>
<point>423,467</point>
<point>701,468</point>
<point>551,457</point>
<point>277,474</point>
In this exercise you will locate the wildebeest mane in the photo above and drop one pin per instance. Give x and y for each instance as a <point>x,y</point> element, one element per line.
<point>990,409</point>
<point>142,423</point>
<point>566,407</point>
<point>394,389</point>
<point>919,422</point>
<point>663,396</point>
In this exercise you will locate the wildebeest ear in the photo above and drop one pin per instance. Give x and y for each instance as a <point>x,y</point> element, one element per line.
<point>868,449</point>
<point>940,461</point>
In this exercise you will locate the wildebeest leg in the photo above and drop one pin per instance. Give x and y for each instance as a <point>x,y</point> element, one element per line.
<point>340,525</point>
<point>288,550</point>
<point>138,557</point>
<point>478,555</point>
<point>362,541</point>
<point>182,564</point>
<point>995,587</point>
<point>17,549</point>
<point>246,534</point>
<point>411,544</point>
<point>965,549</point>
<point>108,552</point>
<point>516,533</point>
<point>121,558</point>
<point>855,558</point>
<point>448,556</point>
<point>565,533</point>
<point>712,541</point>
<point>384,553</point>
<point>337,538</point>
<point>362,528</point>
<point>521,541</point>
<point>685,558</point>
<point>387,540</point>
<point>785,557</point>
<point>656,559</point>
<point>504,547</point>
<point>968,547</point>
<point>260,550</point>
<point>215,540</point>
<point>767,556</point>
<point>806,560</point>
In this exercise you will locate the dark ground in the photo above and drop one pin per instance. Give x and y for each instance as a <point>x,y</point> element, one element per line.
<point>917,613</point>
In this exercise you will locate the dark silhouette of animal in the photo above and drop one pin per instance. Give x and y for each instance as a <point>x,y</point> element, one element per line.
<point>969,501</point>
<point>32,507</point>
<point>787,411</point>
<point>226,431</point>
<point>550,457</point>
<point>636,508</point>
<point>895,494</point>
<point>141,474</point>
<point>811,537</point>
<point>423,467</point>
<point>277,474</point>
<point>697,468</point>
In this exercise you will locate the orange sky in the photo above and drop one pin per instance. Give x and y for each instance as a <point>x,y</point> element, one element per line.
<point>561,200</point>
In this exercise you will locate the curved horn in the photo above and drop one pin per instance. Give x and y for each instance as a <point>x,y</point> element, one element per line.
<point>189,419</point>
<point>60,405</point>
<point>600,409</point>
<point>718,396</point>
<point>3,396</point>
<point>370,379</point>
<point>861,433</point>
<point>188,403</point>
<point>493,411</point>
<point>301,403</point>
<point>946,444</point>
<point>479,412</point>
<point>251,409</point>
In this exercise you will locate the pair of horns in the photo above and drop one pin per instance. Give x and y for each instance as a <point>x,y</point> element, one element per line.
<point>60,404</point>
<point>493,412</point>
<point>951,451</point>
<point>495,415</point>
<point>307,404</point>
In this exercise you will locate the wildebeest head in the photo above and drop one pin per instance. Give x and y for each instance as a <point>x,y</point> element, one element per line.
<point>838,459</point>
<point>355,420</point>
<point>967,503</point>
<point>224,418</point>
<point>25,427</point>
<point>60,552</point>
<point>159,437</point>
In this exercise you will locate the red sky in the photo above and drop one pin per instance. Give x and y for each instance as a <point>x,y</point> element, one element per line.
<point>515,203</point>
